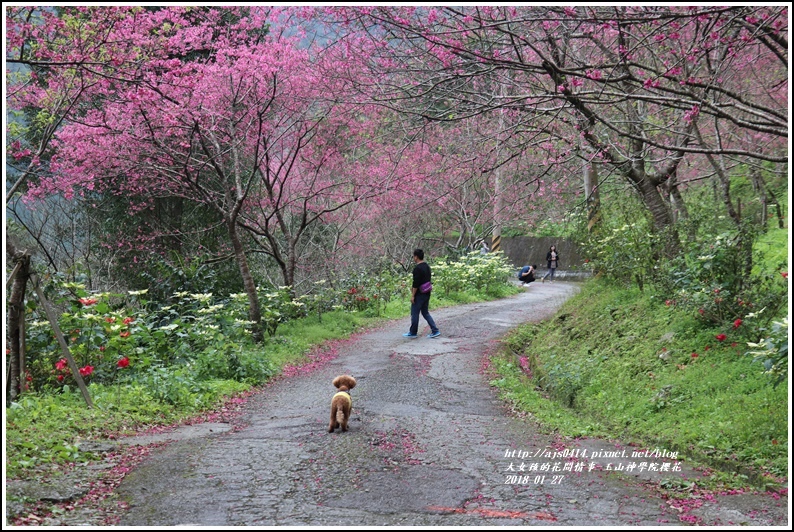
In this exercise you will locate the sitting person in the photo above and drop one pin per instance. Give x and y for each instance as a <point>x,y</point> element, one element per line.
<point>527,274</point>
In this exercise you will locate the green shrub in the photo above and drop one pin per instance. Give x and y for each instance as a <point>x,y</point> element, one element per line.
<point>475,272</point>
<point>772,351</point>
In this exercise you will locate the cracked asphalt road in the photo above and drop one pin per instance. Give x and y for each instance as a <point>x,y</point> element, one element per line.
<point>429,445</point>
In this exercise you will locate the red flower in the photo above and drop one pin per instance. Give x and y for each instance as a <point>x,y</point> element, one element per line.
<point>124,334</point>
<point>61,364</point>
<point>123,363</point>
<point>102,348</point>
<point>734,344</point>
<point>701,311</point>
<point>110,320</point>
<point>88,301</point>
<point>736,324</point>
<point>668,302</point>
<point>720,337</point>
<point>784,274</point>
<point>694,355</point>
<point>59,377</point>
<point>86,371</point>
<point>127,321</point>
<point>707,348</point>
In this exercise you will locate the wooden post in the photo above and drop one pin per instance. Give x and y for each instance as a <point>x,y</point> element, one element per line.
<point>62,341</point>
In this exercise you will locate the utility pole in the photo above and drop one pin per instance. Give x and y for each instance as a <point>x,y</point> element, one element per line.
<point>496,240</point>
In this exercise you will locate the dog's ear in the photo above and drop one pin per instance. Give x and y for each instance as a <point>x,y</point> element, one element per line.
<point>345,380</point>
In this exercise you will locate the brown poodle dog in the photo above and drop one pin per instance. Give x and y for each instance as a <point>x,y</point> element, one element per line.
<point>342,403</point>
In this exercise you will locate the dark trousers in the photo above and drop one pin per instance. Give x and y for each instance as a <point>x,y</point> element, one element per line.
<point>420,305</point>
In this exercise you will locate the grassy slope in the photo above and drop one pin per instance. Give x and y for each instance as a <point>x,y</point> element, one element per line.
<point>773,250</point>
<point>599,368</point>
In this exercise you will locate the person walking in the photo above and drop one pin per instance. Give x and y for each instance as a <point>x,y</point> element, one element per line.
<point>420,300</point>
<point>552,259</point>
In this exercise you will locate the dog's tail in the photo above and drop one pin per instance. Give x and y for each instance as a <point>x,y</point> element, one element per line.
<point>340,416</point>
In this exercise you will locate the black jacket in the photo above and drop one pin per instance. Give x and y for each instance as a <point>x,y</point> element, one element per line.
<point>422,274</point>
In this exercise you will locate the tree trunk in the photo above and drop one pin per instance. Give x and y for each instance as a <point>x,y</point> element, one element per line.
<point>780,221</point>
<point>592,197</point>
<point>16,328</point>
<point>254,310</point>
<point>678,206</point>
<point>292,264</point>
<point>758,186</point>
<point>660,212</point>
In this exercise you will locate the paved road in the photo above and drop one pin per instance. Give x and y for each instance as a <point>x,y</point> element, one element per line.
<point>429,445</point>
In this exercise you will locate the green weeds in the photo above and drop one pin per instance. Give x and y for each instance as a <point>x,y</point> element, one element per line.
<point>617,361</point>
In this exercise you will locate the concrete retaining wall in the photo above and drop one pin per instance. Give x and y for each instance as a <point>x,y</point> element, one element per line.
<point>523,250</point>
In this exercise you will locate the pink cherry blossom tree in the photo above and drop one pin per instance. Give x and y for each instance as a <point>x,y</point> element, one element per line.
<point>627,83</point>
<point>210,118</point>
<point>57,61</point>
<point>223,114</point>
